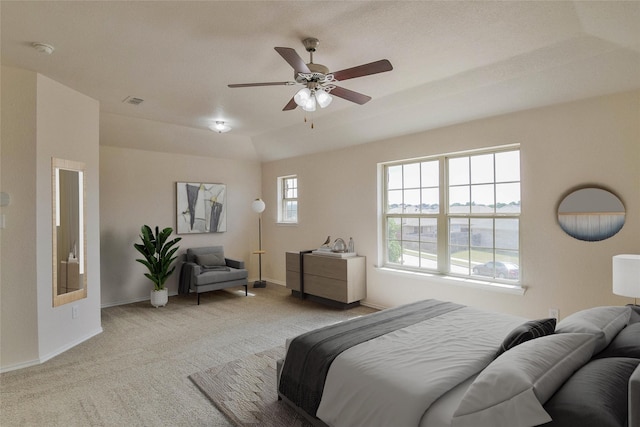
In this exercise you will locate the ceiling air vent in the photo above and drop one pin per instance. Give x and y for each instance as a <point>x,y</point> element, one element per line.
<point>133,100</point>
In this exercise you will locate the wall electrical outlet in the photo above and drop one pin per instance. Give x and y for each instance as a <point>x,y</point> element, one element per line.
<point>74,312</point>
<point>555,313</point>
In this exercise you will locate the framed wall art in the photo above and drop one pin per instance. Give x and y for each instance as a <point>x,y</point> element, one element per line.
<point>591,214</point>
<point>201,207</point>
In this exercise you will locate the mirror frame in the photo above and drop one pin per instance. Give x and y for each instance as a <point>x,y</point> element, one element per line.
<point>70,165</point>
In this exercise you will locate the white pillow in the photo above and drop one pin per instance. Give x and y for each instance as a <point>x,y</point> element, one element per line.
<point>603,322</point>
<point>510,391</point>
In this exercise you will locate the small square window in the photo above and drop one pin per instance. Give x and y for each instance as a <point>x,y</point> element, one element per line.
<point>288,199</point>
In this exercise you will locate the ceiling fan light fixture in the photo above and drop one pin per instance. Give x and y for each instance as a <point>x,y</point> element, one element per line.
<point>318,81</point>
<point>310,105</point>
<point>302,96</point>
<point>220,127</point>
<point>323,98</point>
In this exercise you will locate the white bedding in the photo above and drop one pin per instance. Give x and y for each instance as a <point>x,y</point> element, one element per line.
<point>394,379</point>
<point>440,413</point>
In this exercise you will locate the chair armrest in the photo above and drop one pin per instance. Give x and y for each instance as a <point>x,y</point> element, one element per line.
<point>193,268</point>
<point>634,398</point>
<point>188,272</point>
<point>234,263</point>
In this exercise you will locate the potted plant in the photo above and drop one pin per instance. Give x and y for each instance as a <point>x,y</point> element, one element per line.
<point>158,256</point>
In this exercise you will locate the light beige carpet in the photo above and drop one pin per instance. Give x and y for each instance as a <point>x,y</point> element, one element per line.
<point>136,373</point>
<point>245,391</point>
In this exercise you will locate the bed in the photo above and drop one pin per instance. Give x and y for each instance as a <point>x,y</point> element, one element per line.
<point>439,364</point>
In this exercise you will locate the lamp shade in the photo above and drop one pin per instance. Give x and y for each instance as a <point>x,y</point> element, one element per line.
<point>302,96</point>
<point>258,206</point>
<point>323,98</point>
<point>310,104</point>
<point>626,275</point>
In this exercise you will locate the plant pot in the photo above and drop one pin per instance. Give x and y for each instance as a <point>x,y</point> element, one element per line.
<point>159,298</point>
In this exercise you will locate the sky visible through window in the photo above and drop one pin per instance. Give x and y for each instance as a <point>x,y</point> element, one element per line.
<point>471,182</point>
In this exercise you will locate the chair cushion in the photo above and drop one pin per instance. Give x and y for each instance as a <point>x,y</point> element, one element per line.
<point>216,276</point>
<point>211,260</point>
<point>193,252</point>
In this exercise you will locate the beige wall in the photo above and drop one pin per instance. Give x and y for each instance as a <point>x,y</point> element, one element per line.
<point>51,120</point>
<point>139,187</point>
<point>18,285</point>
<point>591,142</point>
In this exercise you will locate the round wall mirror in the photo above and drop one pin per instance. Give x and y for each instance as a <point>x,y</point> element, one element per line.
<point>591,214</point>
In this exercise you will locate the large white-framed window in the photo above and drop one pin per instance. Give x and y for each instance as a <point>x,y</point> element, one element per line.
<point>288,199</point>
<point>454,214</point>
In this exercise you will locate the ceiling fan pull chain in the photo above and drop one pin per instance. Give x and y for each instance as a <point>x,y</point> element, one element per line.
<point>310,119</point>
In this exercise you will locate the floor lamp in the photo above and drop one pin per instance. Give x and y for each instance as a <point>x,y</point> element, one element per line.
<point>258,207</point>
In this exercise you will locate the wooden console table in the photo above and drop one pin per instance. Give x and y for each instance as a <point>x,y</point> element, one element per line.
<point>336,281</point>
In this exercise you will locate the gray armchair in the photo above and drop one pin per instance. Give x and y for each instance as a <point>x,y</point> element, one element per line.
<point>207,269</point>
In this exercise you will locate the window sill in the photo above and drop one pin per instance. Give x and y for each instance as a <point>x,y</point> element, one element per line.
<point>287,224</point>
<point>442,279</point>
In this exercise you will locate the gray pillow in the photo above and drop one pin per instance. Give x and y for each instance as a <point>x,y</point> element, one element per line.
<point>211,260</point>
<point>602,322</point>
<point>625,344</point>
<point>595,396</point>
<point>510,391</point>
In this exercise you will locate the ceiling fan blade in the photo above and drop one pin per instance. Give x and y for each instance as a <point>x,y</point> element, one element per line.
<point>292,57</point>
<point>291,105</point>
<point>363,70</point>
<point>350,95</point>
<point>263,84</point>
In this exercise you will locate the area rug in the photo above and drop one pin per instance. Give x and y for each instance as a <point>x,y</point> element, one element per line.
<point>245,391</point>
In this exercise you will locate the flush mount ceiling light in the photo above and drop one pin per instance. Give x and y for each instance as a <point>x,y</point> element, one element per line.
<point>220,127</point>
<point>47,49</point>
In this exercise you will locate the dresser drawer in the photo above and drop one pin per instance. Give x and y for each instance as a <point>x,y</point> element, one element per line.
<point>293,280</point>
<point>326,287</point>
<point>318,265</point>
<point>292,261</point>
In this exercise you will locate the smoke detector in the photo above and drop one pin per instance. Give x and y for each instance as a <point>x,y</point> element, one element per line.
<point>45,48</point>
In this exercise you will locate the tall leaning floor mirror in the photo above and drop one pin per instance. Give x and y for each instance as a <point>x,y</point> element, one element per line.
<point>69,232</point>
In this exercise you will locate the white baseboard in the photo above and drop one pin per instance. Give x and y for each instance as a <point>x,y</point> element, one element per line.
<point>51,355</point>
<point>275,282</point>
<point>171,294</point>
<point>70,345</point>
<point>376,306</point>
<point>131,301</point>
<point>20,365</point>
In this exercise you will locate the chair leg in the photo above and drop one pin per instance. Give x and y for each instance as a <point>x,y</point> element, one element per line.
<point>245,290</point>
<point>198,298</point>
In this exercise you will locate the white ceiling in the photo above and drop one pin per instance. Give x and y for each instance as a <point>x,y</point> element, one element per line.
<point>453,62</point>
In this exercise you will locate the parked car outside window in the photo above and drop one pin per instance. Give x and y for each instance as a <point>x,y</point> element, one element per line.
<point>502,270</point>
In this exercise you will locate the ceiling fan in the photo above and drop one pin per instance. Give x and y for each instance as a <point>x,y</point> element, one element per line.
<point>318,82</point>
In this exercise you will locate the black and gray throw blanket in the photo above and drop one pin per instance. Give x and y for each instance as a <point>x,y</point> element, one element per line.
<point>183,279</point>
<point>310,355</point>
